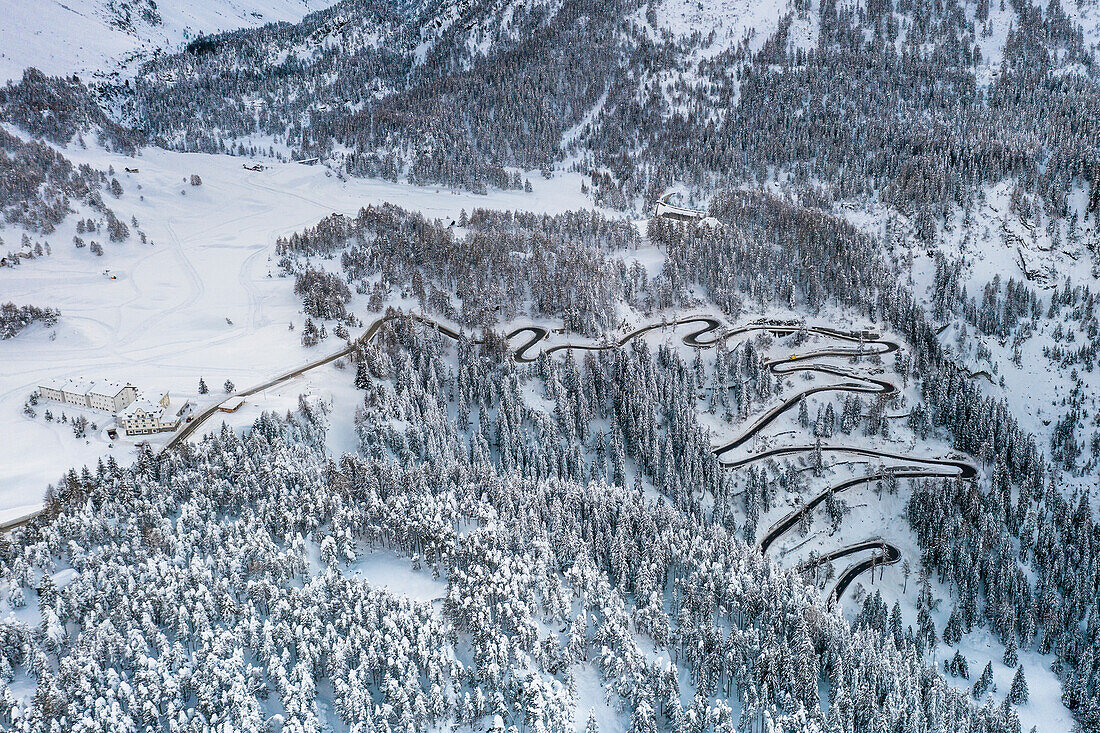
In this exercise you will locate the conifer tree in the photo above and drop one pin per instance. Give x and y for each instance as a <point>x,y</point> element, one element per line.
<point>1018,693</point>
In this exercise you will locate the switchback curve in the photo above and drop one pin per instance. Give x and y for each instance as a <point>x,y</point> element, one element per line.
<point>540,333</point>
<point>887,554</point>
<point>859,383</point>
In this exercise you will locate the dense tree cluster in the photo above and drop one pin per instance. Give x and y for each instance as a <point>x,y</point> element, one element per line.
<point>502,265</point>
<point>484,93</point>
<point>573,507</point>
<point>997,314</point>
<point>772,250</point>
<point>38,184</point>
<point>14,318</point>
<point>324,294</point>
<point>59,110</point>
<point>216,585</point>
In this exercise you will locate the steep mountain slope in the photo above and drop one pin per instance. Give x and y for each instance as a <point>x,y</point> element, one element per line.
<point>105,39</point>
<point>900,103</point>
<point>450,95</point>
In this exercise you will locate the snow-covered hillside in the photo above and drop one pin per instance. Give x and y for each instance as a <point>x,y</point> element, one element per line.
<point>974,277</point>
<point>473,436</point>
<point>731,21</point>
<point>204,292</point>
<point>105,39</point>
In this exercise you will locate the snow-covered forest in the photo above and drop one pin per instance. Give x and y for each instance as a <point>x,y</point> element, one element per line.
<point>227,583</point>
<point>467,431</point>
<point>891,98</point>
<point>481,470</point>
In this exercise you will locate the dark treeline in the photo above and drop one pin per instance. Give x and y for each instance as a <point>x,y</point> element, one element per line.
<point>870,113</point>
<point>38,184</point>
<point>887,102</point>
<point>560,265</point>
<point>997,314</point>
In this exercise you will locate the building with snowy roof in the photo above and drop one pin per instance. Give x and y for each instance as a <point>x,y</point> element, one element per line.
<point>143,417</point>
<point>98,395</point>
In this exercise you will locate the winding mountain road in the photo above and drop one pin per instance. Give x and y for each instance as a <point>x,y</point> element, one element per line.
<point>798,363</point>
<point>887,555</point>
<point>793,518</point>
<point>869,344</point>
<point>858,383</point>
<point>539,333</point>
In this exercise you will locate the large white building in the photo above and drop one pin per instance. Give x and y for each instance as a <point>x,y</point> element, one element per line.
<point>99,395</point>
<point>144,416</point>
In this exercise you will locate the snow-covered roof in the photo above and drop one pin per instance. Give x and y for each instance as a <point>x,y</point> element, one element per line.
<point>677,212</point>
<point>111,389</point>
<point>144,406</point>
<point>80,385</point>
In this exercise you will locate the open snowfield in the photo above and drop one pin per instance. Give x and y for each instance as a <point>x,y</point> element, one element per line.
<point>203,300</point>
<point>87,38</point>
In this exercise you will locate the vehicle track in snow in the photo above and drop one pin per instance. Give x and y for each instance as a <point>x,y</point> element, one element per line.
<point>196,289</point>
